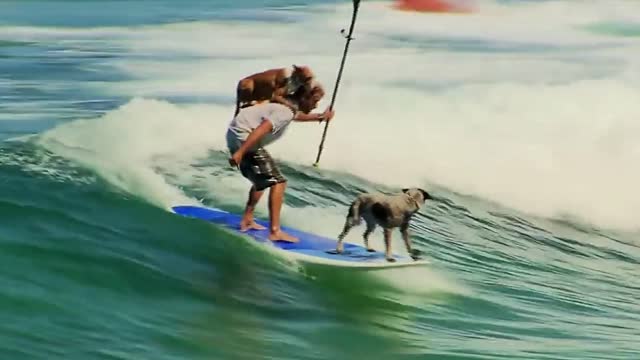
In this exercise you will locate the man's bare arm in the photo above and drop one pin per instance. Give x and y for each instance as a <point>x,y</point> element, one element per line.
<point>302,117</point>
<point>254,137</point>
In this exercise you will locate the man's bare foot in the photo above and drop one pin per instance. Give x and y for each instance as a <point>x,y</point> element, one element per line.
<point>251,226</point>
<point>282,236</point>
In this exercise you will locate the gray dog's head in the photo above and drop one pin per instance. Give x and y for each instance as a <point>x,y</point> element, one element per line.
<point>419,195</point>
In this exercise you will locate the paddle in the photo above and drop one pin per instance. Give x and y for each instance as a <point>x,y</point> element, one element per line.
<point>356,4</point>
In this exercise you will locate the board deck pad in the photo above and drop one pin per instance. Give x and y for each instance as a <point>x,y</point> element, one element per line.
<point>310,247</point>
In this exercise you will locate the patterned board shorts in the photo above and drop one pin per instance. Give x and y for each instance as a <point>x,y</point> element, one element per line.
<point>259,168</point>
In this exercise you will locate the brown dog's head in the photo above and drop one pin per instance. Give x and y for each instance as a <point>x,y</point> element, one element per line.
<point>419,195</point>
<point>302,76</point>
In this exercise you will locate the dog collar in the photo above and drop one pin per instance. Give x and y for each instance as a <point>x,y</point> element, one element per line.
<point>415,202</point>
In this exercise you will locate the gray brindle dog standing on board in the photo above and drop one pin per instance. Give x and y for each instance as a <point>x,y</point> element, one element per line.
<point>387,211</point>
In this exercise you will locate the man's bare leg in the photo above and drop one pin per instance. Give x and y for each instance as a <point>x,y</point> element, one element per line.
<point>276,197</point>
<point>247,218</point>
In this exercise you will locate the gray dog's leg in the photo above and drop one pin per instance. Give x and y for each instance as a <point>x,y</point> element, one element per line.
<point>404,229</point>
<point>348,224</point>
<point>387,244</point>
<point>353,219</point>
<point>370,227</point>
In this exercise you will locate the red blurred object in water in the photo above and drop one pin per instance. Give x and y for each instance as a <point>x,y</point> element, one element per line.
<point>430,6</point>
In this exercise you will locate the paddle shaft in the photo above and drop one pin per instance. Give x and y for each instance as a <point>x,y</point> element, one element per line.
<point>356,4</point>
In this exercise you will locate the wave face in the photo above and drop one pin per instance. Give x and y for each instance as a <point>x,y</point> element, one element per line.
<point>520,117</point>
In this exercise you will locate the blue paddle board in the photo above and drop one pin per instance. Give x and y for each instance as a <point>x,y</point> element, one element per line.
<point>310,248</point>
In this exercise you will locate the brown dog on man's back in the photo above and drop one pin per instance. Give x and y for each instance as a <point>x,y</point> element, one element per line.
<point>273,85</point>
<point>387,211</point>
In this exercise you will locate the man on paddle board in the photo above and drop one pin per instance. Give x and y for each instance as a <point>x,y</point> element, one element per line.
<point>247,135</point>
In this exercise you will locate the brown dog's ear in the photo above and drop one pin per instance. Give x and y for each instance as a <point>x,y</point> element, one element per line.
<point>296,67</point>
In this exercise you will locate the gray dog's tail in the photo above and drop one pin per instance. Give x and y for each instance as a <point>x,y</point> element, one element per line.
<point>354,212</point>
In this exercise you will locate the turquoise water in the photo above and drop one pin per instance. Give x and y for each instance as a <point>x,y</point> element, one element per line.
<point>521,119</point>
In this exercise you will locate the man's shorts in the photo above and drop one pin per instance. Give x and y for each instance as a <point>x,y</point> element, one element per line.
<point>259,168</point>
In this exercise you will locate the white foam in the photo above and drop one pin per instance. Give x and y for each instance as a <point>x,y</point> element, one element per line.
<point>552,132</point>
<point>122,145</point>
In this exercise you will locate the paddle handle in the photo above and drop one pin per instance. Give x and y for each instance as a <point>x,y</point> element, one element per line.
<point>356,5</point>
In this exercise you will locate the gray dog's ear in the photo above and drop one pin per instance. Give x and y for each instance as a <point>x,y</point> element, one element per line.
<point>426,195</point>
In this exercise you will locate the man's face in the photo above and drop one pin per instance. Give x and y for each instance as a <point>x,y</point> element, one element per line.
<point>310,102</point>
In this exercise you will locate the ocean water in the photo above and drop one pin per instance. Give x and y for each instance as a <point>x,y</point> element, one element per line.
<point>521,118</point>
